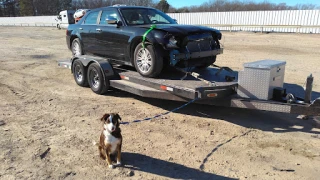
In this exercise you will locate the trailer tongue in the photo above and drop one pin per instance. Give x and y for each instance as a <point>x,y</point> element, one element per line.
<point>215,87</point>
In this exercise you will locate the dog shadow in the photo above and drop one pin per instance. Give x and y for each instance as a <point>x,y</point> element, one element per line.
<point>139,162</point>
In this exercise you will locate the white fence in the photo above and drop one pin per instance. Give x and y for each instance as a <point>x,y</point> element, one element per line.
<point>28,21</point>
<point>303,21</point>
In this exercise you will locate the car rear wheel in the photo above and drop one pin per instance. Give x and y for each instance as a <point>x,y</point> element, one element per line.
<point>146,61</point>
<point>96,80</point>
<point>80,73</point>
<point>76,47</point>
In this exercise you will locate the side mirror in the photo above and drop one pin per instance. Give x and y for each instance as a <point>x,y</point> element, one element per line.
<point>112,20</point>
<point>175,20</point>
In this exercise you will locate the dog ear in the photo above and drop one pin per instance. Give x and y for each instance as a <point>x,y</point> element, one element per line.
<point>118,116</point>
<point>105,117</point>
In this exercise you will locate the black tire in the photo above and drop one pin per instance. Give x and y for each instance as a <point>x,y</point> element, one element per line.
<point>207,63</point>
<point>80,73</point>
<point>156,61</point>
<point>96,80</point>
<point>76,47</point>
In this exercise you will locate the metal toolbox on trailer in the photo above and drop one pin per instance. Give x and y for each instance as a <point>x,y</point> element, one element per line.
<point>259,78</point>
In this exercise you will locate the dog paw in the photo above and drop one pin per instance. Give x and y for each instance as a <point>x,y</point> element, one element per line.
<point>119,163</point>
<point>110,166</point>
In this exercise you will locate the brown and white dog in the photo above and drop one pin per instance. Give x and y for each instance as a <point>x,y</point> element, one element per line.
<point>110,138</point>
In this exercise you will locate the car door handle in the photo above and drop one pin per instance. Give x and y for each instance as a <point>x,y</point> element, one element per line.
<point>81,28</point>
<point>98,30</point>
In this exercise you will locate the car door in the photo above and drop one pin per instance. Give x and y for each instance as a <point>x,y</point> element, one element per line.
<point>111,38</point>
<point>87,32</point>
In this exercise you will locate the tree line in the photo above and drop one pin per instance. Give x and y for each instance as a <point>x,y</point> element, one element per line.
<point>53,7</point>
<point>236,5</point>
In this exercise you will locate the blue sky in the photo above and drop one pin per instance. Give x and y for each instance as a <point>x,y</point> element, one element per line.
<point>182,3</point>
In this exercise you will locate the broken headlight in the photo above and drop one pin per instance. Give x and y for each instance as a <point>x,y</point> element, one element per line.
<point>172,43</point>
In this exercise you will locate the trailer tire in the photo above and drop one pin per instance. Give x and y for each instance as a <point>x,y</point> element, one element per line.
<point>96,80</point>
<point>149,64</point>
<point>80,73</point>
<point>76,47</point>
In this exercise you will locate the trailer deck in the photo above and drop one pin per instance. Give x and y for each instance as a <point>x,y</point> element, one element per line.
<point>176,85</point>
<point>186,86</point>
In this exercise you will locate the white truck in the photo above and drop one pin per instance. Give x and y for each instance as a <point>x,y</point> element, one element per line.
<point>65,18</point>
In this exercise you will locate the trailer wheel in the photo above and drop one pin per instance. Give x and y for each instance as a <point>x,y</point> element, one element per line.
<point>96,80</point>
<point>146,61</point>
<point>80,73</point>
<point>76,47</point>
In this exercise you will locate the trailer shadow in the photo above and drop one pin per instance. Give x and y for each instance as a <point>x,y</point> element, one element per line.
<point>167,169</point>
<point>262,120</point>
<point>266,121</point>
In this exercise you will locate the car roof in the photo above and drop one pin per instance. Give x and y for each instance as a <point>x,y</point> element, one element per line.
<point>122,7</point>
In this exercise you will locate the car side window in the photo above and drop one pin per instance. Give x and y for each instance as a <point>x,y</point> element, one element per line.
<point>158,18</point>
<point>109,14</point>
<point>133,16</point>
<point>92,18</point>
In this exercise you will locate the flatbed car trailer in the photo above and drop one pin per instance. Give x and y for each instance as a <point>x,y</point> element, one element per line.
<point>213,88</point>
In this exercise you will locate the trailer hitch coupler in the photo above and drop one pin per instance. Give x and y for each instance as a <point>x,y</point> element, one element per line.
<point>308,92</point>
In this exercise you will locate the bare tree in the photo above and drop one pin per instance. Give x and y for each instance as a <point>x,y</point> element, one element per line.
<point>249,5</point>
<point>1,14</point>
<point>65,4</point>
<point>51,7</point>
<point>163,5</point>
<point>26,7</point>
<point>91,4</point>
<point>9,7</point>
<point>305,6</point>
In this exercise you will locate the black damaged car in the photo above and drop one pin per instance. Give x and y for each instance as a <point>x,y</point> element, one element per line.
<point>144,38</point>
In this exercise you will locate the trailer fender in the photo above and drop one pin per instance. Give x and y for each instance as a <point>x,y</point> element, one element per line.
<point>105,66</point>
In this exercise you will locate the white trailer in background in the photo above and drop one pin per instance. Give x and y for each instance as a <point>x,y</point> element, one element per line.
<point>65,18</point>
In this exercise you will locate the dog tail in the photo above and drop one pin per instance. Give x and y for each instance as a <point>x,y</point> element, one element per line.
<point>95,143</point>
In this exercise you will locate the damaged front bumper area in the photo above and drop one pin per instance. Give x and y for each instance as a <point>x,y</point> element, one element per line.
<point>194,55</point>
<point>176,56</point>
<point>199,47</point>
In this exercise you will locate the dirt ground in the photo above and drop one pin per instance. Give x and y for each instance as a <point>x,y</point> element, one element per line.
<point>48,123</point>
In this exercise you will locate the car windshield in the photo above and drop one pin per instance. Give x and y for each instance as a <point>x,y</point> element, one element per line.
<point>140,16</point>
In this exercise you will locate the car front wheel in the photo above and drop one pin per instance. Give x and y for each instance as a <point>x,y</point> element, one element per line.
<point>146,61</point>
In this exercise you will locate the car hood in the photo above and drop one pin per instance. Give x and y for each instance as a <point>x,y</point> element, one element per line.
<point>182,29</point>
